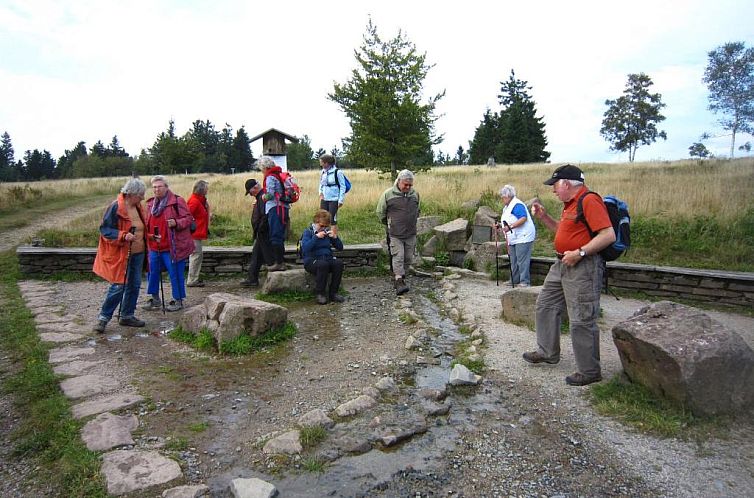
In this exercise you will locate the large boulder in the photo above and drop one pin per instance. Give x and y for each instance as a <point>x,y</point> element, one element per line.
<point>425,224</point>
<point>486,216</point>
<point>430,246</point>
<point>520,305</point>
<point>682,354</point>
<point>228,315</point>
<point>483,257</point>
<point>298,280</point>
<point>452,235</point>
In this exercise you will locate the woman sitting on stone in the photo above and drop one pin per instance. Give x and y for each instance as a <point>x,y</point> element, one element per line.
<point>316,248</point>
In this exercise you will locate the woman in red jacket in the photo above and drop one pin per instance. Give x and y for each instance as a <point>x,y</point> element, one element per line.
<point>199,208</point>
<point>120,254</point>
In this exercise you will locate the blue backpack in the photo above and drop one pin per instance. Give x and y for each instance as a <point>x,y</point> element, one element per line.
<point>619,217</point>
<point>337,182</point>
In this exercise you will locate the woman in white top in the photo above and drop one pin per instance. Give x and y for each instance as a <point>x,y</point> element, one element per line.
<point>520,234</point>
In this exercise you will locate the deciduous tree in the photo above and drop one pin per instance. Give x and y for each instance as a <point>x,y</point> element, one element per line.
<point>631,120</point>
<point>730,79</point>
<point>391,127</point>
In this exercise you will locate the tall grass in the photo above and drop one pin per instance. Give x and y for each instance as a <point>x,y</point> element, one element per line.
<point>685,213</point>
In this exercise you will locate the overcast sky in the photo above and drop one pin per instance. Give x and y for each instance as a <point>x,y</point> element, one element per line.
<point>88,70</point>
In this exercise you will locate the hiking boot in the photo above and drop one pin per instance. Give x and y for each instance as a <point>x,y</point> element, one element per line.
<point>337,298</point>
<point>536,357</point>
<point>579,379</point>
<point>100,327</point>
<point>151,304</point>
<point>174,306</point>
<point>131,321</point>
<point>321,299</point>
<point>250,283</point>
<point>400,287</point>
<point>198,283</point>
<point>277,267</point>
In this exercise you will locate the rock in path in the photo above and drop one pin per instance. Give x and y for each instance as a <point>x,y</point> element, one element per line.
<point>109,431</point>
<point>130,470</point>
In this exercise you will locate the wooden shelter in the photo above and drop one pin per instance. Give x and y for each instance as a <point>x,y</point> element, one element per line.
<point>273,142</point>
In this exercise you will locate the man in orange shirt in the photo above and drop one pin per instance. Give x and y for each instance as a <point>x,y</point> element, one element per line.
<point>574,281</point>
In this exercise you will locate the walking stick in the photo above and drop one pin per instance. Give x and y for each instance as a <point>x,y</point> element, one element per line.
<point>389,254</point>
<point>162,291</point>
<point>132,231</point>
<point>508,251</point>
<point>497,276</point>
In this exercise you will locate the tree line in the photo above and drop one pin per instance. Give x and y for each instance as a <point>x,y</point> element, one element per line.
<point>393,126</point>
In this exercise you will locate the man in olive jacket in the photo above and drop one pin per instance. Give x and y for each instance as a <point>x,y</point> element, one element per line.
<point>398,208</point>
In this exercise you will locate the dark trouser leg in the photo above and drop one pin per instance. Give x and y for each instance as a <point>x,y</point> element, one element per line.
<point>336,268</point>
<point>321,270</point>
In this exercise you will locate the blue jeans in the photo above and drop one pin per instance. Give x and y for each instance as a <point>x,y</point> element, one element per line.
<point>276,225</point>
<point>520,257</point>
<point>124,295</point>
<point>159,261</point>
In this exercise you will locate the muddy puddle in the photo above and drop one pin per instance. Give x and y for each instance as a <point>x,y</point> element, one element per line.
<point>215,413</point>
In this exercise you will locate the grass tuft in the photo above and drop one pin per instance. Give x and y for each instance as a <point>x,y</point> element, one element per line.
<point>311,436</point>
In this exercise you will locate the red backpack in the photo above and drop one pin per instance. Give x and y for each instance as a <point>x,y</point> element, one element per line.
<point>291,190</point>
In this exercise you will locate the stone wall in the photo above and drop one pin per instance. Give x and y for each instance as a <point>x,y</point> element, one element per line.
<point>729,288</point>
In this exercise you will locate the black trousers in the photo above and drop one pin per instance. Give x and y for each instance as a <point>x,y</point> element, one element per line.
<point>261,254</point>
<point>322,269</point>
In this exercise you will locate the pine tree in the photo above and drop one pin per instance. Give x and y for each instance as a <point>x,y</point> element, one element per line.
<point>522,133</point>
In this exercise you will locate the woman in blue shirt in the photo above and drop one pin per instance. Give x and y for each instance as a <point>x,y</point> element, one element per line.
<point>317,245</point>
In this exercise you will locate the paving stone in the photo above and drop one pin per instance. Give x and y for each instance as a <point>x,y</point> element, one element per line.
<point>186,491</point>
<point>60,337</point>
<point>41,310</point>
<point>69,326</point>
<point>69,353</point>
<point>109,431</point>
<point>112,402</point>
<point>88,385</point>
<point>45,318</point>
<point>252,488</point>
<point>76,367</point>
<point>131,470</point>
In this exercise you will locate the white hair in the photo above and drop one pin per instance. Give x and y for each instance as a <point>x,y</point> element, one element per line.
<point>134,186</point>
<point>265,162</point>
<point>159,178</point>
<point>404,174</point>
<point>508,191</point>
<point>574,183</point>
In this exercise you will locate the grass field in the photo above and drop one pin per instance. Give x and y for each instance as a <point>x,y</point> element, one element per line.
<point>684,213</point>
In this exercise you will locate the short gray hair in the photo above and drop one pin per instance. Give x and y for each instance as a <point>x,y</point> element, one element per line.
<point>574,183</point>
<point>200,187</point>
<point>508,191</point>
<point>134,186</point>
<point>405,174</point>
<point>265,162</point>
<point>159,178</point>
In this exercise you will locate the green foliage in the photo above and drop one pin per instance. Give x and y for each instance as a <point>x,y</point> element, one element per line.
<point>313,464</point>
<point>203,341</point>
<point>634,405</point>
<point>286,297</point>
<point>442,258</point>
<point>390,127</point>
<point>515,135</point>
<point>730,79</point>
<point>301,155</point>
<point>476,366</point>
<point>698,149</point>
<point>311,436</point>
<point>199,427</point>
<point>631,120</point>
<point>245,344</point>
<point>177,443</point>
<point>406,318</point>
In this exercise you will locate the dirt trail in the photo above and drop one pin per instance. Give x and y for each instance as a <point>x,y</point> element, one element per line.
<point>13,237</point>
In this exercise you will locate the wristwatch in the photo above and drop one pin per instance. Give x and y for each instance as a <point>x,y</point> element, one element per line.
<point>582,252</point>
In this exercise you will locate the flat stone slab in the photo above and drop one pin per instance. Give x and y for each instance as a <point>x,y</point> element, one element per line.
<point>70,353</point>
<point>112,402</point>
<point>45,318</point>
<point>288,443</point>
<point>252,488</point>
<point>195,491</point>
<point>69,326</point>
<point>88,385</point>
<point>76,367</point>
<point>60,337</point>
<point>40,300</point>
<point>33,285</point>
<point>41,310</point>
<point>131,470</point>
<point>109,431</point>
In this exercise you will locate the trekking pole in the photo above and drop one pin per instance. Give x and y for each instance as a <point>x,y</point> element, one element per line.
<point>173,255</point>
<point>497,273</point>
<point>132,231</point>
<point>508,251</point>
<point>389,254</point>
<point>162,291</point>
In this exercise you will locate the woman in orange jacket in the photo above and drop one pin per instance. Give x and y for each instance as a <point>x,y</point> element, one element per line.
<point>120,254</point>
<point>199,209</point>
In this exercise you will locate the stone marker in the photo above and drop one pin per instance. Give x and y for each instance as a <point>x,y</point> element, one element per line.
<point>252,488</point>
<point>355,406</point>
<point>88,385</point>
<point>186,491</point>
<point>681,354</point>
<point>520,305</point>
<point>131,470</point>
<point>452,235</point>
<point>288,443</point>
<point>112,402</point>
<point>460,375</point>
<point>108,431</point>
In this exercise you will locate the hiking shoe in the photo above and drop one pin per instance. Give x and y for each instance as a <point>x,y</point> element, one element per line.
<point>198,283</point>
<point>321,299</point>
<point>337,298</point>
<point>174,306</point>
<point>100,327</point>
<point>536,357</point>
<point>131,321</point>
<point>151,304</point>
<point>250,283</point>
<point>400,287</point>
<point>579,379</point>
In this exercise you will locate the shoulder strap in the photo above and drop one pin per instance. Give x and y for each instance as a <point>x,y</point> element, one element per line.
<point>580,211</point>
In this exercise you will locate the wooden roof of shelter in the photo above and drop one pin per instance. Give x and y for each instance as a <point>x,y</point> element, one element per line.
<point>273,141</point>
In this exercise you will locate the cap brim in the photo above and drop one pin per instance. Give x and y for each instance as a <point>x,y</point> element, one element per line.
<point>551,181</point>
